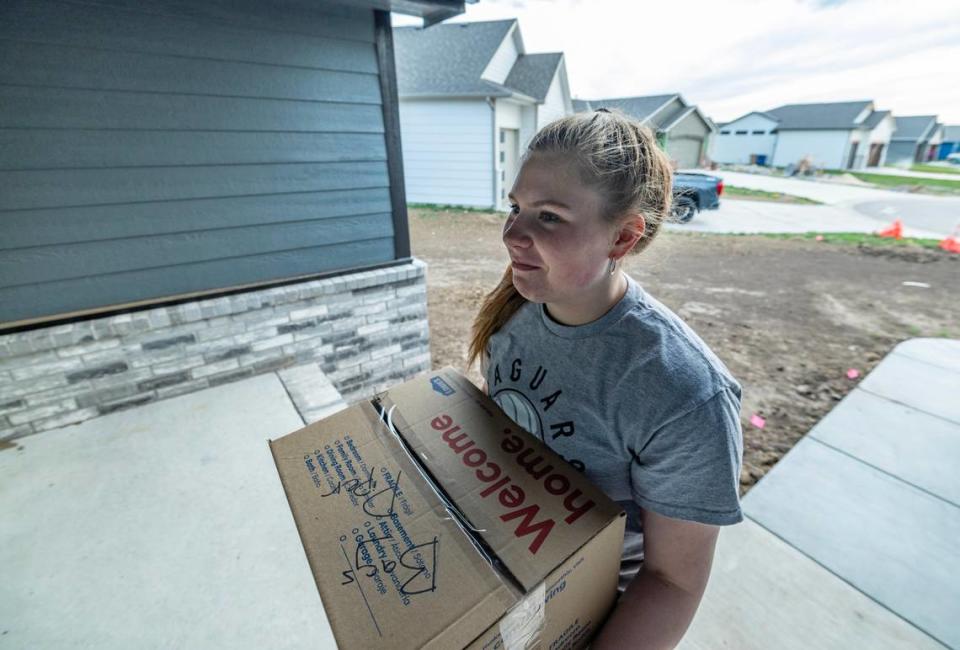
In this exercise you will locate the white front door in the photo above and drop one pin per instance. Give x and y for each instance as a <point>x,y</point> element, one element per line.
<point>509,154</point>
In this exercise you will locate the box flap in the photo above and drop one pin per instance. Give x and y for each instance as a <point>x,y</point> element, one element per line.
<point>393,568</point>
<point>529,506</point>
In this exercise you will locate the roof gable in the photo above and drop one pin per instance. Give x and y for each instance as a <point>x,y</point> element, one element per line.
<point>766,116</point>
<point>532,74</point>
<point>875,118</point>
<point>913,127</point>
<point>835,115</point>
<point>951,133</point>
<point>448,59</point>
<point>641,108</point>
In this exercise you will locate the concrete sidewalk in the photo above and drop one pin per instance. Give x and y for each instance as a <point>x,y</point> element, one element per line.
<point>851,540</point>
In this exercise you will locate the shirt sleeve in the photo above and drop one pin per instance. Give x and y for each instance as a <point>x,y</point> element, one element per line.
<point>690,467</point>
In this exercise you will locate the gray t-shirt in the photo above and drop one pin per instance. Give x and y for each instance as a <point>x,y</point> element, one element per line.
<point>636,400</point>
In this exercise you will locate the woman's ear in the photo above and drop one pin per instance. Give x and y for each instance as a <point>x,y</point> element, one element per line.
<point>630,231</point>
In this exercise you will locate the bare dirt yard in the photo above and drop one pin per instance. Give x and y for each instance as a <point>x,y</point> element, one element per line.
<point>789,317</point>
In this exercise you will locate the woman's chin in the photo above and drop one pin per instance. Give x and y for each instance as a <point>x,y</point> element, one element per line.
<point>529,293</point>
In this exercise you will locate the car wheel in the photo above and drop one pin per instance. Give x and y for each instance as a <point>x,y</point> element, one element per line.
<point>683,209</point>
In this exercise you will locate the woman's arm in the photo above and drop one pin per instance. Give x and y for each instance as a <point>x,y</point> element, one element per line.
<point>659,604</point>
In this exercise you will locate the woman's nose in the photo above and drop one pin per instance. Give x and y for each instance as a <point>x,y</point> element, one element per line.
<point>514,231</point>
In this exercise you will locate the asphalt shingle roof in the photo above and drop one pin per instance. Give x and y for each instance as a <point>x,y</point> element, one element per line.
<point>875,118</point>
<point>448,59</point>
<point>836,115</point>
<point>640,108</point>
<point>532,74</point>
<point>913,127</point>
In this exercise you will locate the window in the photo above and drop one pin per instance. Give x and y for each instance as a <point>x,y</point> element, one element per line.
<point>759,132</point>
<point>724,133</point>
<point>741,132</point>
<point>503,156</point>
<point>503,136</point>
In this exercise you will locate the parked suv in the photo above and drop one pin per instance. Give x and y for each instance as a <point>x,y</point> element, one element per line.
<point>692,192</point>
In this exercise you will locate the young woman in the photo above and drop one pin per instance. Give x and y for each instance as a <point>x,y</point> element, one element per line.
<point>577,353</point>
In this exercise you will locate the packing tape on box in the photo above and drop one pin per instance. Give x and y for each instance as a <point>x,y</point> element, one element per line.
<point>522,626</point>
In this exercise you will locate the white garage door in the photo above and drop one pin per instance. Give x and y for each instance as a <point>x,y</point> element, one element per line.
<point>685,150</point>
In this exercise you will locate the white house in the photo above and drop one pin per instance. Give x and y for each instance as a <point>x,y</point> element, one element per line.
<point>747,140</point>
<point>470,100</point>
<point>682,129</point>
<point>839,135</point>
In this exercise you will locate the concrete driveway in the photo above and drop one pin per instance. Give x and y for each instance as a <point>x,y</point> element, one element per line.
<point>922,215</point>
<point>746,217</point>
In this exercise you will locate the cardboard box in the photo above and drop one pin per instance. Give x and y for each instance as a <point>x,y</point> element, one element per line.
<point>429,519</point>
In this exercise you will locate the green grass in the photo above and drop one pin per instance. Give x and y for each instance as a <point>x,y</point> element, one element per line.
<point>856,238</point>
<point>761,195</point>
<point>935,169</point>
<point>889,180</point>
<point>438,207</point>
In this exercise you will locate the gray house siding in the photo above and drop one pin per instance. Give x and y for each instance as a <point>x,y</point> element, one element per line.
<point>196,192</point>
<point>155,151</point>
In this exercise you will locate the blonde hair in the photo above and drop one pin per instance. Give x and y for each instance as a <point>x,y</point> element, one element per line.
<point>611,153</point>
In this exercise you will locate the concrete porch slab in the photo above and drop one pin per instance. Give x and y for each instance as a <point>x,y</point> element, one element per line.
<point>923,450</point>
<point>892,541</point>
<point>764,594</point>
<point>164,526</point>
<point>931,385</point>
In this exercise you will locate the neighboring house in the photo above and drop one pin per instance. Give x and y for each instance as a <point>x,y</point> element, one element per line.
<point>951,141</point>
<point>839,135</point>
<point>747,140</point>
<point>916,138</point>
<point>194,193</point>
<point>682,130</point>
<point>470,100</point>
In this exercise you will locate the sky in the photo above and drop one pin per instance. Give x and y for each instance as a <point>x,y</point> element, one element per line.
<point>731,57</point>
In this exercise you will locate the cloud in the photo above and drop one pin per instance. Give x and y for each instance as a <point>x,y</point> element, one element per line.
<point>742,55</point>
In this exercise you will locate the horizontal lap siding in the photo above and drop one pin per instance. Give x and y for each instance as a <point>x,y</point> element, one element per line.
<point>154,151</point>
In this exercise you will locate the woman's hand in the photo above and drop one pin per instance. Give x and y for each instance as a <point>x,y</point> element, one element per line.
<point>658,606</point>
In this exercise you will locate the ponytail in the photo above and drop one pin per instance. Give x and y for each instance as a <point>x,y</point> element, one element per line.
<point>498,307</point>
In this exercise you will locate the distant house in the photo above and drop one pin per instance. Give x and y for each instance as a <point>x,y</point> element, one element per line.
<point>681,128</point>
<point>748,140</point>
<point>916,139</point>
<point>951,141</point>
<point>840,135</point>
<point>198,192</point>
<point>470,100</point>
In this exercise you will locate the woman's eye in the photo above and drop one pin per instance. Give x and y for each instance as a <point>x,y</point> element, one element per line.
<point>514,209</point>
<point>549,217</point>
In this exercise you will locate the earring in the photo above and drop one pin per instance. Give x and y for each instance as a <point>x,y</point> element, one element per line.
<point>612,266</point>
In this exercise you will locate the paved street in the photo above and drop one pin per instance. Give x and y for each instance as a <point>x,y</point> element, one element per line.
<point>739,216</point>
<point>855,209</point>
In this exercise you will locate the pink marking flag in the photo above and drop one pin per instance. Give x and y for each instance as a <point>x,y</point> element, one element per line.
<point>757,421</point>
<point>853,373</point>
